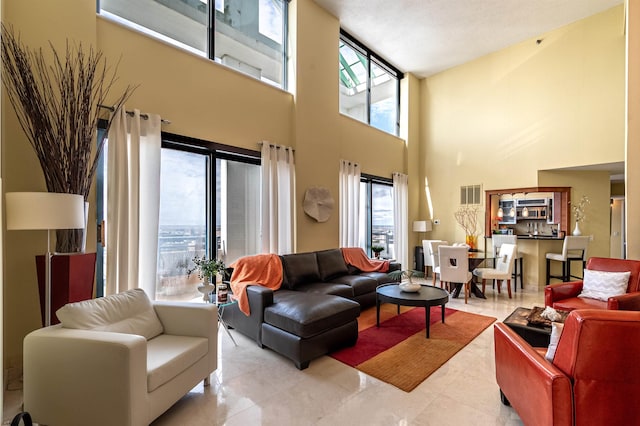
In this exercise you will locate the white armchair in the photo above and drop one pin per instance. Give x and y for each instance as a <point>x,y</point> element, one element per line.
<point>106,363</point>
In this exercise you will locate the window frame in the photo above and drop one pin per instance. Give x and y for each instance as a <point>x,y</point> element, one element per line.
<point>369,180</point>
<point>371,56</point>
<point>210,39</point>
<point>213,150</point>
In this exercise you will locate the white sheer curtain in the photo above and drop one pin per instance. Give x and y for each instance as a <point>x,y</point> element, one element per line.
<point>277,200</point>
<point>400,220</point>
<point>133,202</point>
<point>349,204</point>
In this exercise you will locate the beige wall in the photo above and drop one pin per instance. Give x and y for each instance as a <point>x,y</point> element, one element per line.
<point>632,170</point>
<point>499,120</point>
<point>203,100</point>
<point>559,104</point>
<point>37,23</point>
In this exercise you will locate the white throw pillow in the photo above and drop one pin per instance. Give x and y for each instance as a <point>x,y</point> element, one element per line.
<point>602,285</point>
<point>129,312</point>
<point>556,332</point>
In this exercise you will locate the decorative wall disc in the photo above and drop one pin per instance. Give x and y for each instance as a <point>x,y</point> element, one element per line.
<point>318,203</point>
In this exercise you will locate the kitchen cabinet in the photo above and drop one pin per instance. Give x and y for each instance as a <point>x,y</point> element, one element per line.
<point>547,206</point>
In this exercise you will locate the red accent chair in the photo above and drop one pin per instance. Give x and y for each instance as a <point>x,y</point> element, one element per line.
<point>564,296</point>
<point>593,379</point>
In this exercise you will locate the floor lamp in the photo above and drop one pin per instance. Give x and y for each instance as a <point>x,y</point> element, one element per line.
<point>44,211</point>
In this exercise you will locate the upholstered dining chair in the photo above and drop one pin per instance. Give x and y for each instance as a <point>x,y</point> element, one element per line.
<point>503,270</point>
<point>454,267</point>
<point>497,241</point>
<point>435,261</point>
<point>574,249</point>
<point>428,260</point>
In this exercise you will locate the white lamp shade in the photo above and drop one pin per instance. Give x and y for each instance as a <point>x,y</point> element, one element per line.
<point>421,226</point>
<point>44,210</point>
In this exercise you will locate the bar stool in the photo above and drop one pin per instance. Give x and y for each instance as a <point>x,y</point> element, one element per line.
<point>498,240</point>
<point>574,249</point>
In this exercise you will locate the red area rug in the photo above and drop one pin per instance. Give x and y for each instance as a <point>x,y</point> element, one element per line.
<point>398,351</point>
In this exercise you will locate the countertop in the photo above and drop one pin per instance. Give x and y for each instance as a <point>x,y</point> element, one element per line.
<point>537,237</point>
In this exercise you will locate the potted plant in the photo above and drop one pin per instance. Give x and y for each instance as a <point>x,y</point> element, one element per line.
<point>207,269</point>
<point>57,100</point>
<point>376,250</point>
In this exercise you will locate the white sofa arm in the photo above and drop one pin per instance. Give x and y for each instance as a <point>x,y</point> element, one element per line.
<point>104,373</point>
<point>188,319</point>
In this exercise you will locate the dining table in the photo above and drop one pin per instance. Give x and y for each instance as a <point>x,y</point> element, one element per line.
<point>476,258</point>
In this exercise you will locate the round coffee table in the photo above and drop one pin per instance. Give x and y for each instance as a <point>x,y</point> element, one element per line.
<point>426,297</point>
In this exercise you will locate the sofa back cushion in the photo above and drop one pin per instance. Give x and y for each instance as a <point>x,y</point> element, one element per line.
<point>300,268</point>
<point>129,312</point>
<point>331,264</point>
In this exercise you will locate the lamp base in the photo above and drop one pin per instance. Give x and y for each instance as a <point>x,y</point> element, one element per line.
<point>72,279</point>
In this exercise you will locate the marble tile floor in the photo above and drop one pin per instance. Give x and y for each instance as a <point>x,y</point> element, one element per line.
<point>254,386</point>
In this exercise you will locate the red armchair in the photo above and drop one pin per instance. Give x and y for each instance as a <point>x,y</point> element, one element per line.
<point>593,379</point>
<point>564,296</point>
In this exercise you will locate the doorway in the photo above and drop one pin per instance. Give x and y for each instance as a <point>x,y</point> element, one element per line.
<point>618,249</point>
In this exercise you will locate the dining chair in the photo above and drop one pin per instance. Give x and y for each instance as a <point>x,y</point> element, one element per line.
<point>428,260</point>
<point>503,270</point>
<point>435,258</point>
<point>574,249</point>
<point>518,270</point>
<point>454,267</point>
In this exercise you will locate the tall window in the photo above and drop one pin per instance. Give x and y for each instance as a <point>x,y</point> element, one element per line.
<point>209,206</point>
<point>246,35</point>
<point>376,205</point>
<point>369,86</point>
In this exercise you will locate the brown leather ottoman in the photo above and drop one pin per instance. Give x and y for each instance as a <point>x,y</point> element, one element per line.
<point>304,326</point>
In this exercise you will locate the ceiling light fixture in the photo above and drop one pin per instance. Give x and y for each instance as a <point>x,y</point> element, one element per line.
<point>525,210</point>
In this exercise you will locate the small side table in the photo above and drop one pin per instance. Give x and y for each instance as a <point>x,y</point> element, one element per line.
<point>221,321</point>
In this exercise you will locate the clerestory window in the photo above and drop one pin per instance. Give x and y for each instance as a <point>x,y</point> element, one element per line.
<point>246,35</point>
<point>369,86</point>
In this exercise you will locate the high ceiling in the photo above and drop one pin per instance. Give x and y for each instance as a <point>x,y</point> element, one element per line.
<point>425,37</point>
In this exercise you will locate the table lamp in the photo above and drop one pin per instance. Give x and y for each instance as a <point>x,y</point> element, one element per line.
<point>44,211</point>
<point>421,225</point>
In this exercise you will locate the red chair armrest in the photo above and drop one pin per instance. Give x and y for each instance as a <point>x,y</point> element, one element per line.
<point>538,391</point>
<point>560,291</point>
<point>625,302</point>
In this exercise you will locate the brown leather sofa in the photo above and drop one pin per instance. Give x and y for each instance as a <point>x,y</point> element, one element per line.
<point>593,379</point>
<point>316,309</point>
<point>564,296</point>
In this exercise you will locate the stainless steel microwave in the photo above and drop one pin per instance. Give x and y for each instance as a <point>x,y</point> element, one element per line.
<point>533,213</point>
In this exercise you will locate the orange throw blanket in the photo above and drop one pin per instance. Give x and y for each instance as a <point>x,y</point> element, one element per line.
<point>355,256</point>
<point>261,269</point>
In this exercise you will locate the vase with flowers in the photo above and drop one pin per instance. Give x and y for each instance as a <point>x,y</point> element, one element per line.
<point>467,218</point>
<point>207,269</point>
<point>579,213</point>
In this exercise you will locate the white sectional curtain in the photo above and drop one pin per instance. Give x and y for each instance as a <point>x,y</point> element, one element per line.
<point>349,204</point>
<point>133,202</point>
<point>400,218</point>
<point>277,199</point>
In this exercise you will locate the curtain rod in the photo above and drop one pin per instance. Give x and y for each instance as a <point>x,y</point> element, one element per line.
<point>130,113</point>
<point>277,146</point>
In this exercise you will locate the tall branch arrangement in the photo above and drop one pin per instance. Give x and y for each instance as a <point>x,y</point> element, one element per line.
<point>57,106</point>
<point>579,210</point>
<point>467,218</point>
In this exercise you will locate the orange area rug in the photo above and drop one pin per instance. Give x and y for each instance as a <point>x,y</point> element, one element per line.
<point>398,352</point>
